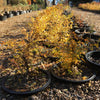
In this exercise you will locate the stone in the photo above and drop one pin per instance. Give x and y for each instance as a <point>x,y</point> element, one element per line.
<point>79,87</point>
<point>33,98</point>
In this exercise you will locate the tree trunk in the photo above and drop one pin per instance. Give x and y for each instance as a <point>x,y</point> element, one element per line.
<point>8,2</point>
<point>45,3</point>
<point>54,2</point>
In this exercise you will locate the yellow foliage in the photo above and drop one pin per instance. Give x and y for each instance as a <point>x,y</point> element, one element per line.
<point>52,26</point>
<point>51,22</point>
<point>90,6</point>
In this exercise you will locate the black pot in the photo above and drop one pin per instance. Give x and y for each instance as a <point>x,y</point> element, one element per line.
<point>70,81</point>
<point>92,36</point>
<point>30,10</point>
<point>8,12</point>
<point>9,15</point>
<point>15,13</point>
<point>82,29</point>
<point>27,11</point>
<point>28,92</point>
<point>92,64</point>
<point>2,18</point>
<point>21,12</point>
<point>74,27</point>
<point>88,28</point>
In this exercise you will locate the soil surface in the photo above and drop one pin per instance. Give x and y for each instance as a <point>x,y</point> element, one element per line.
<point>11,28</point>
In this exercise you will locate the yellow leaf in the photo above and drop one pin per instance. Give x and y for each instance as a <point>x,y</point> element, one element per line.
<point>63,73</point>
<point>84,77</point>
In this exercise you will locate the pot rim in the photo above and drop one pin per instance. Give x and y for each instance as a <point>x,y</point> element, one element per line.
<point>28,92</point>
<point>90,52</point>
<point>71,81</point>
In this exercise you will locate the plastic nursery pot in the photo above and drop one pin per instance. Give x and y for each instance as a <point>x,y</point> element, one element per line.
<point>2,18</point>
<point>9,15</point>
<point>82,29</point>
<point>21,12</point>
<point>30,10</point>
<point>92,36</point>
<point>70,81</point>
<point>24,12</point>
<point>15,13</point>
<point>28,92</point>
<point>91,58</point>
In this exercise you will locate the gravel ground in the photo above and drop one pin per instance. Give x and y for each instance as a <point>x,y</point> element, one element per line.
<point>11,27</point>
<point>62,91</point>
<point>93,19</point>
<point>57,90</point>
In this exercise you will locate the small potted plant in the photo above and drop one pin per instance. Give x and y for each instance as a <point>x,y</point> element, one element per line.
<point>27,9</point>
<point>3,16</point>
<point>15,11</point>
<point>9,12</point>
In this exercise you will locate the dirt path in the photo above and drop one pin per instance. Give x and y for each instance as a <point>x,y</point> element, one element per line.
<point>12,26</point>
<point>92,19</point>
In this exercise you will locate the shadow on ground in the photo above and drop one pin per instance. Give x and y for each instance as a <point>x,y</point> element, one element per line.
<point>93,11</point>
<point>13,37</point>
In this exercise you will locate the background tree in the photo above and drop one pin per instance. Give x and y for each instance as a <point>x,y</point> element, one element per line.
<point>76,2</point>
<point>53,2</point>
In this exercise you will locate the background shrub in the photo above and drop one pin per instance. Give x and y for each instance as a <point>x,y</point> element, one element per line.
<point>34,7</point>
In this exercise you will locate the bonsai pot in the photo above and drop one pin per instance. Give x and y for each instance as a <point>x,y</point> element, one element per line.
<point>4,17</point>
<point>48,81</point>
<point>67,80</point>
<point>93,59</point>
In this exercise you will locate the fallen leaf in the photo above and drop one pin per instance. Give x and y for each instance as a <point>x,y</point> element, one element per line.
<point>84,77</point>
